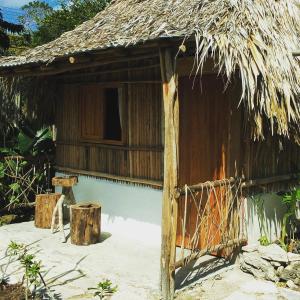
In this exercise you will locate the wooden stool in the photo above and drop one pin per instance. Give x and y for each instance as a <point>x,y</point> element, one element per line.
<point>44,207</point>
<point>66,200</point>
<point>85,224</point>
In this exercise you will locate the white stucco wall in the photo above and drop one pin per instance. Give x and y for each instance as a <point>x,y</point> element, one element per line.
<point>135,211</point>
<point>130,210</point>
<point>273,211</point>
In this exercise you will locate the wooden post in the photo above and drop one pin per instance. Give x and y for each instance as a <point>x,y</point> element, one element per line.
<point>171,157</point>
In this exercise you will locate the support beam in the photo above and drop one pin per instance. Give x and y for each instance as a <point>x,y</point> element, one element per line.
<point>171,157</point>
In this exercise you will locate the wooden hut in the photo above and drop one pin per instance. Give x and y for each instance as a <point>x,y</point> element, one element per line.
<point>192,103</point>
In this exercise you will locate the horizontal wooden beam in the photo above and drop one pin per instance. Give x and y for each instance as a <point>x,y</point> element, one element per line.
<point>96,57</point>
<point>138,181</point>
<point>64,66</point>
<point>244,183</point>
<point>216,183</point>
<point>110,82</point>
<point>156,148</point>
<point>296,53</point>
<point>269,180</point>
<point>117,70</point>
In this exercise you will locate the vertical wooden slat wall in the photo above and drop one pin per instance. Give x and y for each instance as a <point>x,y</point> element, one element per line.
<point>141,155</point>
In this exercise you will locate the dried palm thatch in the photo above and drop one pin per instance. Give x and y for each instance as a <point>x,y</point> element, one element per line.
<point>256,37</point>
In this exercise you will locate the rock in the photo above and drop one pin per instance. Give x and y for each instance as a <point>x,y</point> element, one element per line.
<point>291,272</point>
<point>291,284</point>
<point>297,281</point>
<point>295,265</point>
<point>273,252</point>
<point>275,264</point>
<point>250,248</point>
<point>293,257</point>
<point>260,268</point>
<point>279,270</point>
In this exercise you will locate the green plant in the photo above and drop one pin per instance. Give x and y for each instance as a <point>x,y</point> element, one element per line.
<point>12,250</point>
<point>289,199</point>
<point>264,241</point>
<point>32,267</point>
<point>103,289</point>
<point>24,168</point>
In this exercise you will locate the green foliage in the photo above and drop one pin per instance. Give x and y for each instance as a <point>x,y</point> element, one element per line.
<point>34,13</point>
<point>289,199</point>
<point>31,266</point>
<point>14,248</point>
<point>50,23</point>
<point>23,168</point>
<point>5,28</point>
<point>103,289</point>
<point>264,241</point>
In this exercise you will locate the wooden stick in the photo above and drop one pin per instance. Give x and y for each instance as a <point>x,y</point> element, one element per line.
<point>59,210</point>
<point>217,248</point>
<point>169,202</point>
<point>245,184</point>
<point>61,219</point>
<point>269,180</point>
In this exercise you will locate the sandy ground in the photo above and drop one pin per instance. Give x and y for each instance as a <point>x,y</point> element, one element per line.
<point>132,265</point>
<point>71,270</point>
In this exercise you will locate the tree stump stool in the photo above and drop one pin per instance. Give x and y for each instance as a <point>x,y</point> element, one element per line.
<point>85,224</point>
<point>44,207</point>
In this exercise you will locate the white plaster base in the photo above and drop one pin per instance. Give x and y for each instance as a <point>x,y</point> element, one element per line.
<point>273,214</point>
<point>129,210</point>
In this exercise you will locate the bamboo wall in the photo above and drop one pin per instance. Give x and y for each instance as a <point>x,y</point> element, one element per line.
<point>141,154</point>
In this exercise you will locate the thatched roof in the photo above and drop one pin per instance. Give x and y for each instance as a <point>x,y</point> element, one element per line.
<point>255,36</point>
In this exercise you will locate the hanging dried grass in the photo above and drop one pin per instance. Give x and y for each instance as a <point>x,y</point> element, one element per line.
<point>257,38</point>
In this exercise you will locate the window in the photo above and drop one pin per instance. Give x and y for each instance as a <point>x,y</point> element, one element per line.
<point>112,126</point>
<point>101,114</point>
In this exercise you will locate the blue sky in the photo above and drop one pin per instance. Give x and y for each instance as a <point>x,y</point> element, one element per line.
<point>11,9</point>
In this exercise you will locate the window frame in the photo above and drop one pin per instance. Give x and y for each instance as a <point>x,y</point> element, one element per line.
<point>100,139</point>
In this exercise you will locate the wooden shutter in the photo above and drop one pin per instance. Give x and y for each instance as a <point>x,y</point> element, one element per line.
<point>91,112</point>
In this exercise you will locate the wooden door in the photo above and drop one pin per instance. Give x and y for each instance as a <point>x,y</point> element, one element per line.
<point>207,142</point>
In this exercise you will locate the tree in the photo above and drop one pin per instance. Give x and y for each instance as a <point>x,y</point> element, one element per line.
<point>50,23</point>
<point>5,29</point>
<point>34,13</point>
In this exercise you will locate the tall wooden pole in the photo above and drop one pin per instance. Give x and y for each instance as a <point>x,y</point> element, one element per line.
<point>171,157</point>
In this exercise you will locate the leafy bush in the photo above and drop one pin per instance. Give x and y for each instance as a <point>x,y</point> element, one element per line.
<point>289,199</point>
<point>31,266</point>
<point>25,167</point>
